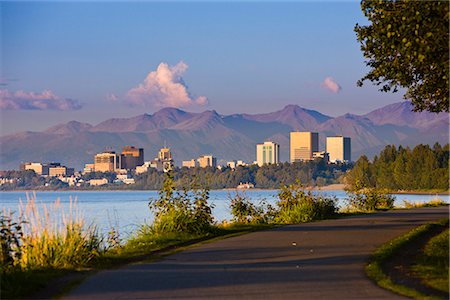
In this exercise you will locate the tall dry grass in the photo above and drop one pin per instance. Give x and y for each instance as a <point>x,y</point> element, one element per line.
<point>50,236</point>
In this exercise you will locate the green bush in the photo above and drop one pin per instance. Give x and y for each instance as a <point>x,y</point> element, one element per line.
<point>11,240</point>
<point>298,206</point>
<point>181,211</point>
<point>246,212</point>
<point>369,199</point>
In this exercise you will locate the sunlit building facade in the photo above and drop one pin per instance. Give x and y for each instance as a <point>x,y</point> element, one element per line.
<point>302,145</point>
<point>339,149</point>
<point>267,153</point>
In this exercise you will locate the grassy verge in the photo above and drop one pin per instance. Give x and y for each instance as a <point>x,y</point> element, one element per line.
<point>384,253</point>
<point>432,267</point>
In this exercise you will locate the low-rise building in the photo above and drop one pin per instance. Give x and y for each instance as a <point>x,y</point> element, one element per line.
<point>60,171</point>
<point>88,168</point>
<point>189,163</point>
<point>97,182</point>
<point>207,161</point>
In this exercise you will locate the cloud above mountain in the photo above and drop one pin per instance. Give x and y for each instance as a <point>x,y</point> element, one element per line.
<point>331,85</point>
<point>46,100</point>
<point>164,87</point>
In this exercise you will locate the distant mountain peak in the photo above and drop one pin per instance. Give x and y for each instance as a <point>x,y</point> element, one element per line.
<point>70,127</point>
<point>401,114</point>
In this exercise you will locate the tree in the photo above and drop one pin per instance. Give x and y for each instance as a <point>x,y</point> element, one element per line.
<point>406,45</point>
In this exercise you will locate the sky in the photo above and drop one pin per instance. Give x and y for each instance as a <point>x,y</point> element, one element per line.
<point>91,61</point>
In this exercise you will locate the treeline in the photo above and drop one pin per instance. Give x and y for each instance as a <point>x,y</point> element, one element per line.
<point>268,176</point>
<point>396,169</point>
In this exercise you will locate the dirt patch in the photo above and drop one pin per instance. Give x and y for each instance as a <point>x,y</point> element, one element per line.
<point>399,267</point>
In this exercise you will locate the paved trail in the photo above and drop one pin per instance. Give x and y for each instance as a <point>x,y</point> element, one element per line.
<point>321,260</point>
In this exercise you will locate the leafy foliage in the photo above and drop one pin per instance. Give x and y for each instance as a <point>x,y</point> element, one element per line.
<point>181,211</point>
<point>246,212</point>
<point>423,168</point>
<point>367,199</point>
<point>298,206</point>
<point>11,240</point>
<point>406,45</point>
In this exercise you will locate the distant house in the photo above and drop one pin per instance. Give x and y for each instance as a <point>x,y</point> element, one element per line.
<point>96,182</point>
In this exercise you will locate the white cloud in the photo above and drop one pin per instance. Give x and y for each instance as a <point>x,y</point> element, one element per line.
<point>330,84</point>
<point>164,88</point>
<point>46,100</point>
<point>112,97</point>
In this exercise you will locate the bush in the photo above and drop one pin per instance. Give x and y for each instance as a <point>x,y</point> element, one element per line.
<point>181,211</point>
<point>297,206</point>
<point>11,239</point>
<point>245,212</point>
<point>369,199</point>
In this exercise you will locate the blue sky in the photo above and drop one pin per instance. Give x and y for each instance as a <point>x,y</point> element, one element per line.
<point>89,61</point>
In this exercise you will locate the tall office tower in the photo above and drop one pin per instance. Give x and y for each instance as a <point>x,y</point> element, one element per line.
<point>339,149</point>
<point>267,153</point>
<point>207,161</point>
<point>106,162</point>
<point>131,157</point>
<point>164,154</point>
<point>303,144</point>
<point>164,161</point>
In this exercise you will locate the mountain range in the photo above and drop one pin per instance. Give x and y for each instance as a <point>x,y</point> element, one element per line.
<point>227,137</point>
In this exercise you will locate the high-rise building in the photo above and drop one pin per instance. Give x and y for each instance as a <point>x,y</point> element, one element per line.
<point>339,149</point>
<point>131,157</point>
<point>164,161</point>
<point>106,162</point>
<point>207,161</point>
<point>303,145</point>
<point>267,153</point>
<point>164,154</point>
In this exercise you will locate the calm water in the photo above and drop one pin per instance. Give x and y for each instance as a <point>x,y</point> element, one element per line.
<point>128,209</point>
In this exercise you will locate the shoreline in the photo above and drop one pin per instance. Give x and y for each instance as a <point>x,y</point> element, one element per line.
<point>331,187</point>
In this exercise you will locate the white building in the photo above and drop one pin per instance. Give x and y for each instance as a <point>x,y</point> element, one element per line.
<point>267,153</point>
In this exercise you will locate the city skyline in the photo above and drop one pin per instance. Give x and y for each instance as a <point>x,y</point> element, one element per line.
<point>94,61</point>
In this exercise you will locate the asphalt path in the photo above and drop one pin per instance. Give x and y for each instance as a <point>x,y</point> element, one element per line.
<point>320,260</point>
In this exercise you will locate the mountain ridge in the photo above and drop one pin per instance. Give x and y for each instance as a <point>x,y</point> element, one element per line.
<point>225,136</point>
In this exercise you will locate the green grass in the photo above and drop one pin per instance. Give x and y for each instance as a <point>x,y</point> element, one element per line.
<point>432,203</point>
<point>432,267</point>
<point>374,268</point>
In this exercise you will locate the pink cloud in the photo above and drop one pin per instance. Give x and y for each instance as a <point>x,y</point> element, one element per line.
<point>164,87</point>
<point>46,100</point>
<point>330,84</point>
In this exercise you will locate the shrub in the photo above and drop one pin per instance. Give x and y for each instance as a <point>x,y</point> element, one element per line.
<point>369,199</point>
<point>181,211</point>
<point>11,239</point>
<point>245,212</point>
<point>297,206</point>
